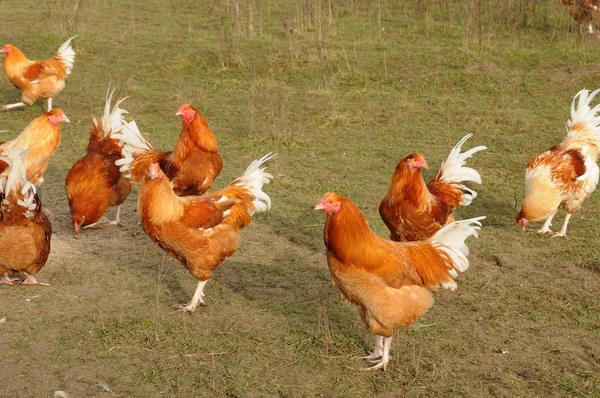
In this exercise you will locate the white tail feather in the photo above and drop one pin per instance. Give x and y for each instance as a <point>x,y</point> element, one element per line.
<point>586,121</point>
<point>112,120</point>
<point>16,181</point>
<point>453,170</point>
<point>451,241</point>
<point>67,55</point>
<point>254,178</point>
<point>133,144</point>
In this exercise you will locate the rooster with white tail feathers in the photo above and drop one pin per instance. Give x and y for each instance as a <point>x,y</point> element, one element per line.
<point>201,231</point>
<point>565,174</point>
<point>413,210</point>
<point>38,79</point>
<point>94,183</point>
<point>25,230</point>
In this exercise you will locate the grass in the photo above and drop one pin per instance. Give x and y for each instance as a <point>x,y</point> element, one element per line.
<point>341,99</point>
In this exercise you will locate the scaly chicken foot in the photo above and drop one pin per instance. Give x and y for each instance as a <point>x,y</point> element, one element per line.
<point>563,231</point>
<point>7,280</point>
<point>546,227</point>
<point>49,104</point>
<point>385,358</point>
<point>377,351</point>
<point>196,300</point>
<point>97,224</point>
<point>30,280</point>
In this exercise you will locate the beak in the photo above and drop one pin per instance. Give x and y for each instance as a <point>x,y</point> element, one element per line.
<point>77,226</point>
<point>522,228</point>
<point>318,207</point>
<point>65,119</point>
<point>178,113</point>
<point>424,164</point>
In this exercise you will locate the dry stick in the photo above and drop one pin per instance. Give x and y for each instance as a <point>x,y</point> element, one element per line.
<point>385,65</point>
<point>379,19</point>
<point>330,22</point>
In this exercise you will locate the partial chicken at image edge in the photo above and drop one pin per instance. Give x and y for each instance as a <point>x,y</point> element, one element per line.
<point>567,173</point>
<point>38,79</point>
<point>25,231</point>
<point>391,283</point>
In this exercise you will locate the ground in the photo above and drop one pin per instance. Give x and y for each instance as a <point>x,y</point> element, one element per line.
<point>341,91</point>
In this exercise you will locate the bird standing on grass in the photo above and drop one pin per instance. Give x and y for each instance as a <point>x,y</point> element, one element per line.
<point>390,282</point>
<point>38,79</point>
<point>567,173</point>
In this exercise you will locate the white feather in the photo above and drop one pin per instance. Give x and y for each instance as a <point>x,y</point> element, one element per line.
<point>16,181</point>
<point>133,144</point>
<point>112,119</point>
<point>253,179</point>
<point>67,55</point>
<point>451,241</point>
<point>453,170</point>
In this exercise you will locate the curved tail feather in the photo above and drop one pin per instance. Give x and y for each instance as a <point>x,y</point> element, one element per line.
<point>584,126</point>
<point>451,241</point>
<point>453,170</point>
<point>247,192</point>
<point>66,55</point>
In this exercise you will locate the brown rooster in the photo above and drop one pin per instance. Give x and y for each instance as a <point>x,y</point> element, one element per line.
<point>390,282</point>
<point>200,231</point>
<point>38,79</point>
<point>191,167</point>
<point>413,210</point>
<point>41,137</point>
<point>94,183</point>
<point>585,12</point>
<point>565,174</point>
<point>25,230</point>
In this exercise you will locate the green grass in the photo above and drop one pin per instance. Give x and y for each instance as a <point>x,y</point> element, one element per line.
<point>340,103</point>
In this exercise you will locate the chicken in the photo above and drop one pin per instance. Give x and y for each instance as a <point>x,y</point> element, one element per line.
<point>41,137</point>
<point>94,183</point>
<point>415,211</point>
<point>25,230</point>
<point>191,167</point>
<point>200,231</point>
<point>565,174</point>
<point>38,79</point>
<point>390,282</point>
<point>585,12</point>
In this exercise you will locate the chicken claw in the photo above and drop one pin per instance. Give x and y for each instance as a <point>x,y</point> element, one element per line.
<point>30,280</point>
<point>196,300</point>
<point>7,280</point>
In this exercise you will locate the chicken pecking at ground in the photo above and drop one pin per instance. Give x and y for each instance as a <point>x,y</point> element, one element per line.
<point>565,174</point>
<point>413,210</point>
<point>25,230</point>
<point>94,183</point>
<point>191,167</point>
<point>41,138</point>
<point>38,79</point>
<point>390,282</point>
<point>200,231</point>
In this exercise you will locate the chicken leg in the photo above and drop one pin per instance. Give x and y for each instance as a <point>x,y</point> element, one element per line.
<point>49,104</point>
<point>563,231</point>
<point>377,351</point>
<point>196,300</point>
<point>7,280</point>
<point>546,227</point>
<point>11,106</point>
<point>117,220</point>
<point>30,280</point>
<point>385,358</point>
